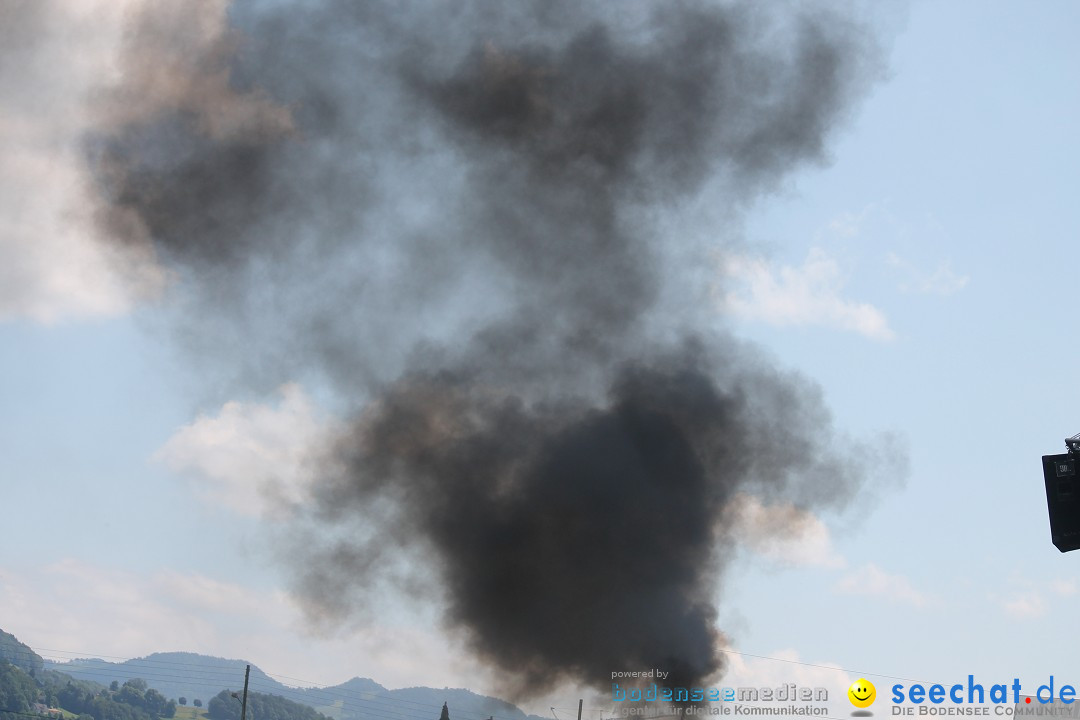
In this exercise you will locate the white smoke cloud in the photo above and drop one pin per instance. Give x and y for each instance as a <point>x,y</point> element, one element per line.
<point>122,614</point>
<point>249,457</point>
<point>872,580</point>
<point>1025,606</point>
<point>60,70</point>
<point>942,280</point>
<point>783,533</point>
<point>811,295</point>
<point>54,55</point>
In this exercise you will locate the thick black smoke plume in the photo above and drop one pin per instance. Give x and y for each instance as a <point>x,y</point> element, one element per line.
<point>451,212</point>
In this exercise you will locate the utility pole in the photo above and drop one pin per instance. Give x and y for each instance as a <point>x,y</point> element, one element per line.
<point>580,700</point>
<point>243,703</point>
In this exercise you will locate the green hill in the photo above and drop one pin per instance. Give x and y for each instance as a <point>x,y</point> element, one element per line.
<point>177,674</point>
<point>200,677</point>
<point>19,655</point>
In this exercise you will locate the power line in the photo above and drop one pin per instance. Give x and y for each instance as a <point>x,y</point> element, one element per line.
<point>146,668</point>
<point>176,677</point>
<point>374,704</point>
<point>863,673</point>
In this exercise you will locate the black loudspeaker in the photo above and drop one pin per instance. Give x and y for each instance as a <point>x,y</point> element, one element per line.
<point>1063,500</point>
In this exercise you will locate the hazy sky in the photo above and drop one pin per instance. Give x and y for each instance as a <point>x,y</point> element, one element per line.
<point>920,276</point>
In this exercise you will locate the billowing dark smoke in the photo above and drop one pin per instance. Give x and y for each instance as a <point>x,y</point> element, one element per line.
<point>451,213</point>
<point>575,538</point>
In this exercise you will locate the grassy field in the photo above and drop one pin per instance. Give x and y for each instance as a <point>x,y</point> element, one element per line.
<point>333,711</point>
<point>189,713</point>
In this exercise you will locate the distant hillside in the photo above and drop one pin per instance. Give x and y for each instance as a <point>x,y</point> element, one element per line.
<point>463,704</point>
<point>178,674</point>
<point>42,693</point>
<point>224,706</point>
<point>361,699</point>
<point>19,655</point>
<point>193,676</point>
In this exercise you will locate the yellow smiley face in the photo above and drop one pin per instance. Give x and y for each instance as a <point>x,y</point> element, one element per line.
<point>862,693</point>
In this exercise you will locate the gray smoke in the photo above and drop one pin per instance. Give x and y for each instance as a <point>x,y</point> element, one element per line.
<point>451,213</point>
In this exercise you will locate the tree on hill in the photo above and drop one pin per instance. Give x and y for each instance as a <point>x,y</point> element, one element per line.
<point>130,695</point>
<point>224,706</point>
<point>197,673</point>
<point>18,691</point>
<point>157,704</point>
<point>128,703</point>
<point>52,682</point>
<point>182,700</point>
<point>19,655</point>
<point>84,702</point>
<point>197,702</point>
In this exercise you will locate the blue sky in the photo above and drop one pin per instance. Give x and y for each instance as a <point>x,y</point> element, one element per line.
<point>921,277</point>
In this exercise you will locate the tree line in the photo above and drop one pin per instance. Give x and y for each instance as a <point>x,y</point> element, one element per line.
<point>23,693</point>
<point>226,706</point>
